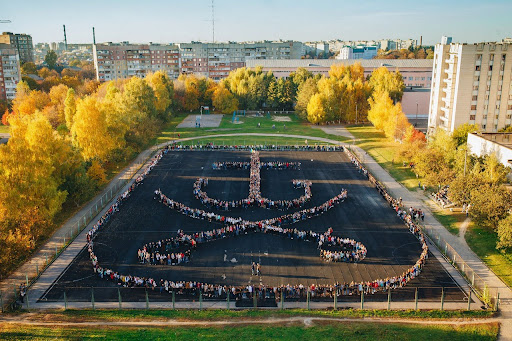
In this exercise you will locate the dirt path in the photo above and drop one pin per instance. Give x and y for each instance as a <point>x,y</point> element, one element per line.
<point>307,321</point>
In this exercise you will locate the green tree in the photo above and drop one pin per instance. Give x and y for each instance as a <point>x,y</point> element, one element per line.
<point>306,91</point>
<point>28,68</point>
<point>460,135</point>
<point>51,59</point>
<point>489,204</point>
<point>505,233</point>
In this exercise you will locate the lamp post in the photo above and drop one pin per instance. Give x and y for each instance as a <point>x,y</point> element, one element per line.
<point>416,122</point>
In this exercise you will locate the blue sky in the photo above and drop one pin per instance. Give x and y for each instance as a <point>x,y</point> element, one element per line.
<point>186,20</point>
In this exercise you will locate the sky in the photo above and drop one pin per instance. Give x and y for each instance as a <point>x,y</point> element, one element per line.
<point>174,21</point>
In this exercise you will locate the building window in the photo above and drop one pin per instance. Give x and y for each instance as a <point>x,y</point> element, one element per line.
<point>503,57</point>
<point>490,67</point>
<point>473,107</point>
<point>471,117</point>
<point>478,57</point>
<point>491,57</point>
<point>474,98</point>
<point>475,87</point>
<point>477,68</point>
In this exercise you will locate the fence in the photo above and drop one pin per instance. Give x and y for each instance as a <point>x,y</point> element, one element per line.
<point>449,298</point>
<point>45,258</point>
<point>489,296</point>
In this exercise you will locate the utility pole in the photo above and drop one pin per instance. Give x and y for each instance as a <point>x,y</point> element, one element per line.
<point>356,112</point>
<point>93,37</point>
<point>213,21</point>
<point>416,122</point>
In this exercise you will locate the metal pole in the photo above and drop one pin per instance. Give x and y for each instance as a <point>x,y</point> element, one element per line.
<point>389,299</point>
<point>307,297</point>
<point>362,300</point>
<point>1,302</point>
<point>119,298</point>
<point>254,299</point>
<point>416,299</point>
<point>92,298</point>
<point>497,302</point>
<point>147,299</point>
<point>469,299</point>
<point>26,295</point>
<point>26,279</point>
<point>46,257</point>
<point>335,300</point>
<point>282,300</point>
<point>173,300</point>
<point>228,299</point>
<point>65,301</point>
<point>200,299</point>
<point>473,279</point>
<point>442,299</point>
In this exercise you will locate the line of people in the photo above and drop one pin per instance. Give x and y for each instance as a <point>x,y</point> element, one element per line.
<point>209,146</point>
<point>278,165</point>
<point>160,252</point>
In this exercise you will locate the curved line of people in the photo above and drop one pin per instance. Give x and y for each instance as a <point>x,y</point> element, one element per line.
<point>279,165</point>
<point>160,252</point>
<point>210,290</point>
<point>226,205</point>
<point>286,219</point>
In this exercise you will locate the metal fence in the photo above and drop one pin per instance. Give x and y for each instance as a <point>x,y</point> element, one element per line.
<point>119,297</point>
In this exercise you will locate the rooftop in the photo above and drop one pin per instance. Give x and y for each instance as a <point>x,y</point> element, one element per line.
<point>366,63</point>
<point>504,139</point>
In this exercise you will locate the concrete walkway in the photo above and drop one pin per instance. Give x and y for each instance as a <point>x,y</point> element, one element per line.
<point>409,198</point>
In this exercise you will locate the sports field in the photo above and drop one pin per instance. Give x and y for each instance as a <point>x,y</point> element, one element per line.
<point>365,216</point>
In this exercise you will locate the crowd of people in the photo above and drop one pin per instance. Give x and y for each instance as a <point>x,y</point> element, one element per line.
<point>192,288</point>
<point>161,252</point>
<point>286,219</point>
<point>224,165</point>
<point>210,146</point>
<point>441,196</point>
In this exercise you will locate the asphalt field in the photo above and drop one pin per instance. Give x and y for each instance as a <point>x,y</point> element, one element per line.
<point>364,216</point>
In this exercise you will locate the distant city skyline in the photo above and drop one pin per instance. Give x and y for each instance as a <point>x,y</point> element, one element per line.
<point>179,21</point>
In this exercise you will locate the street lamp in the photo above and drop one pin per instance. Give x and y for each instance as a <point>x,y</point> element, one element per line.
<point>416,122</point>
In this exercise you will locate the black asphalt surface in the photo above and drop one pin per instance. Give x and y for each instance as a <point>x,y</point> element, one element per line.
<point>364,216</point>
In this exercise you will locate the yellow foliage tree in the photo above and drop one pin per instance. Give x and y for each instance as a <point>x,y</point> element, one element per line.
<point>316,108</point>
<point>224,101</point>
<point>90,132</point>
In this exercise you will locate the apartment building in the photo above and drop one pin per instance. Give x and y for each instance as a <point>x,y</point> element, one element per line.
<point>471,83</point>
<point>10,73</point>
<point>22,43</point>
<point>125,60</point>
<point>214,60</point>
<point>359,52</point>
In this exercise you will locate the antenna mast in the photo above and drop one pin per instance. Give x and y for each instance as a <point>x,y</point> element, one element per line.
<point>213,21</point>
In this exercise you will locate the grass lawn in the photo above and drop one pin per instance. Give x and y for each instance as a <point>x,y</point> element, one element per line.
<point>483,242</point>
<point>295,126</point>
<point>320,331</point>
<point>383,151</point>
<point>4,129</point>
<point>252,140</point>
<point>219,314</point>
<point>452,221</point>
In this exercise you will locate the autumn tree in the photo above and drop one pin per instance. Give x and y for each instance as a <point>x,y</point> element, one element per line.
<point>224,101</point>
<point>460,135</point>
<point>505,233</point>
<point>383,80</point>
<point>90,132</point>
<point>316,109</point>
<point>306,91</point>
<point>69,108</point>
<point>164,92</point>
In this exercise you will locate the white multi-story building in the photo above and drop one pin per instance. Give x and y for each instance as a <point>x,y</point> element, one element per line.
<point>471,83</point>
<point>359,52</point>
<point>10,73</point>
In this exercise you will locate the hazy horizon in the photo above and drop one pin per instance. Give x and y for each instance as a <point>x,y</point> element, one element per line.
<point>177,22</point>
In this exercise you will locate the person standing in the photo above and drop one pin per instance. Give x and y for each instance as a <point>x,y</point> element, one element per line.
<point>258,269</point>
<point>253,268</point>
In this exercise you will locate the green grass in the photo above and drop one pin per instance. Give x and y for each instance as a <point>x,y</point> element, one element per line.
<point>383,151</point>
<point>483,242</point>
<point>252,140</point>
<point>250,125</point>
<point>216,314</point>
<point>4,129</point>
<point>321,331</point>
